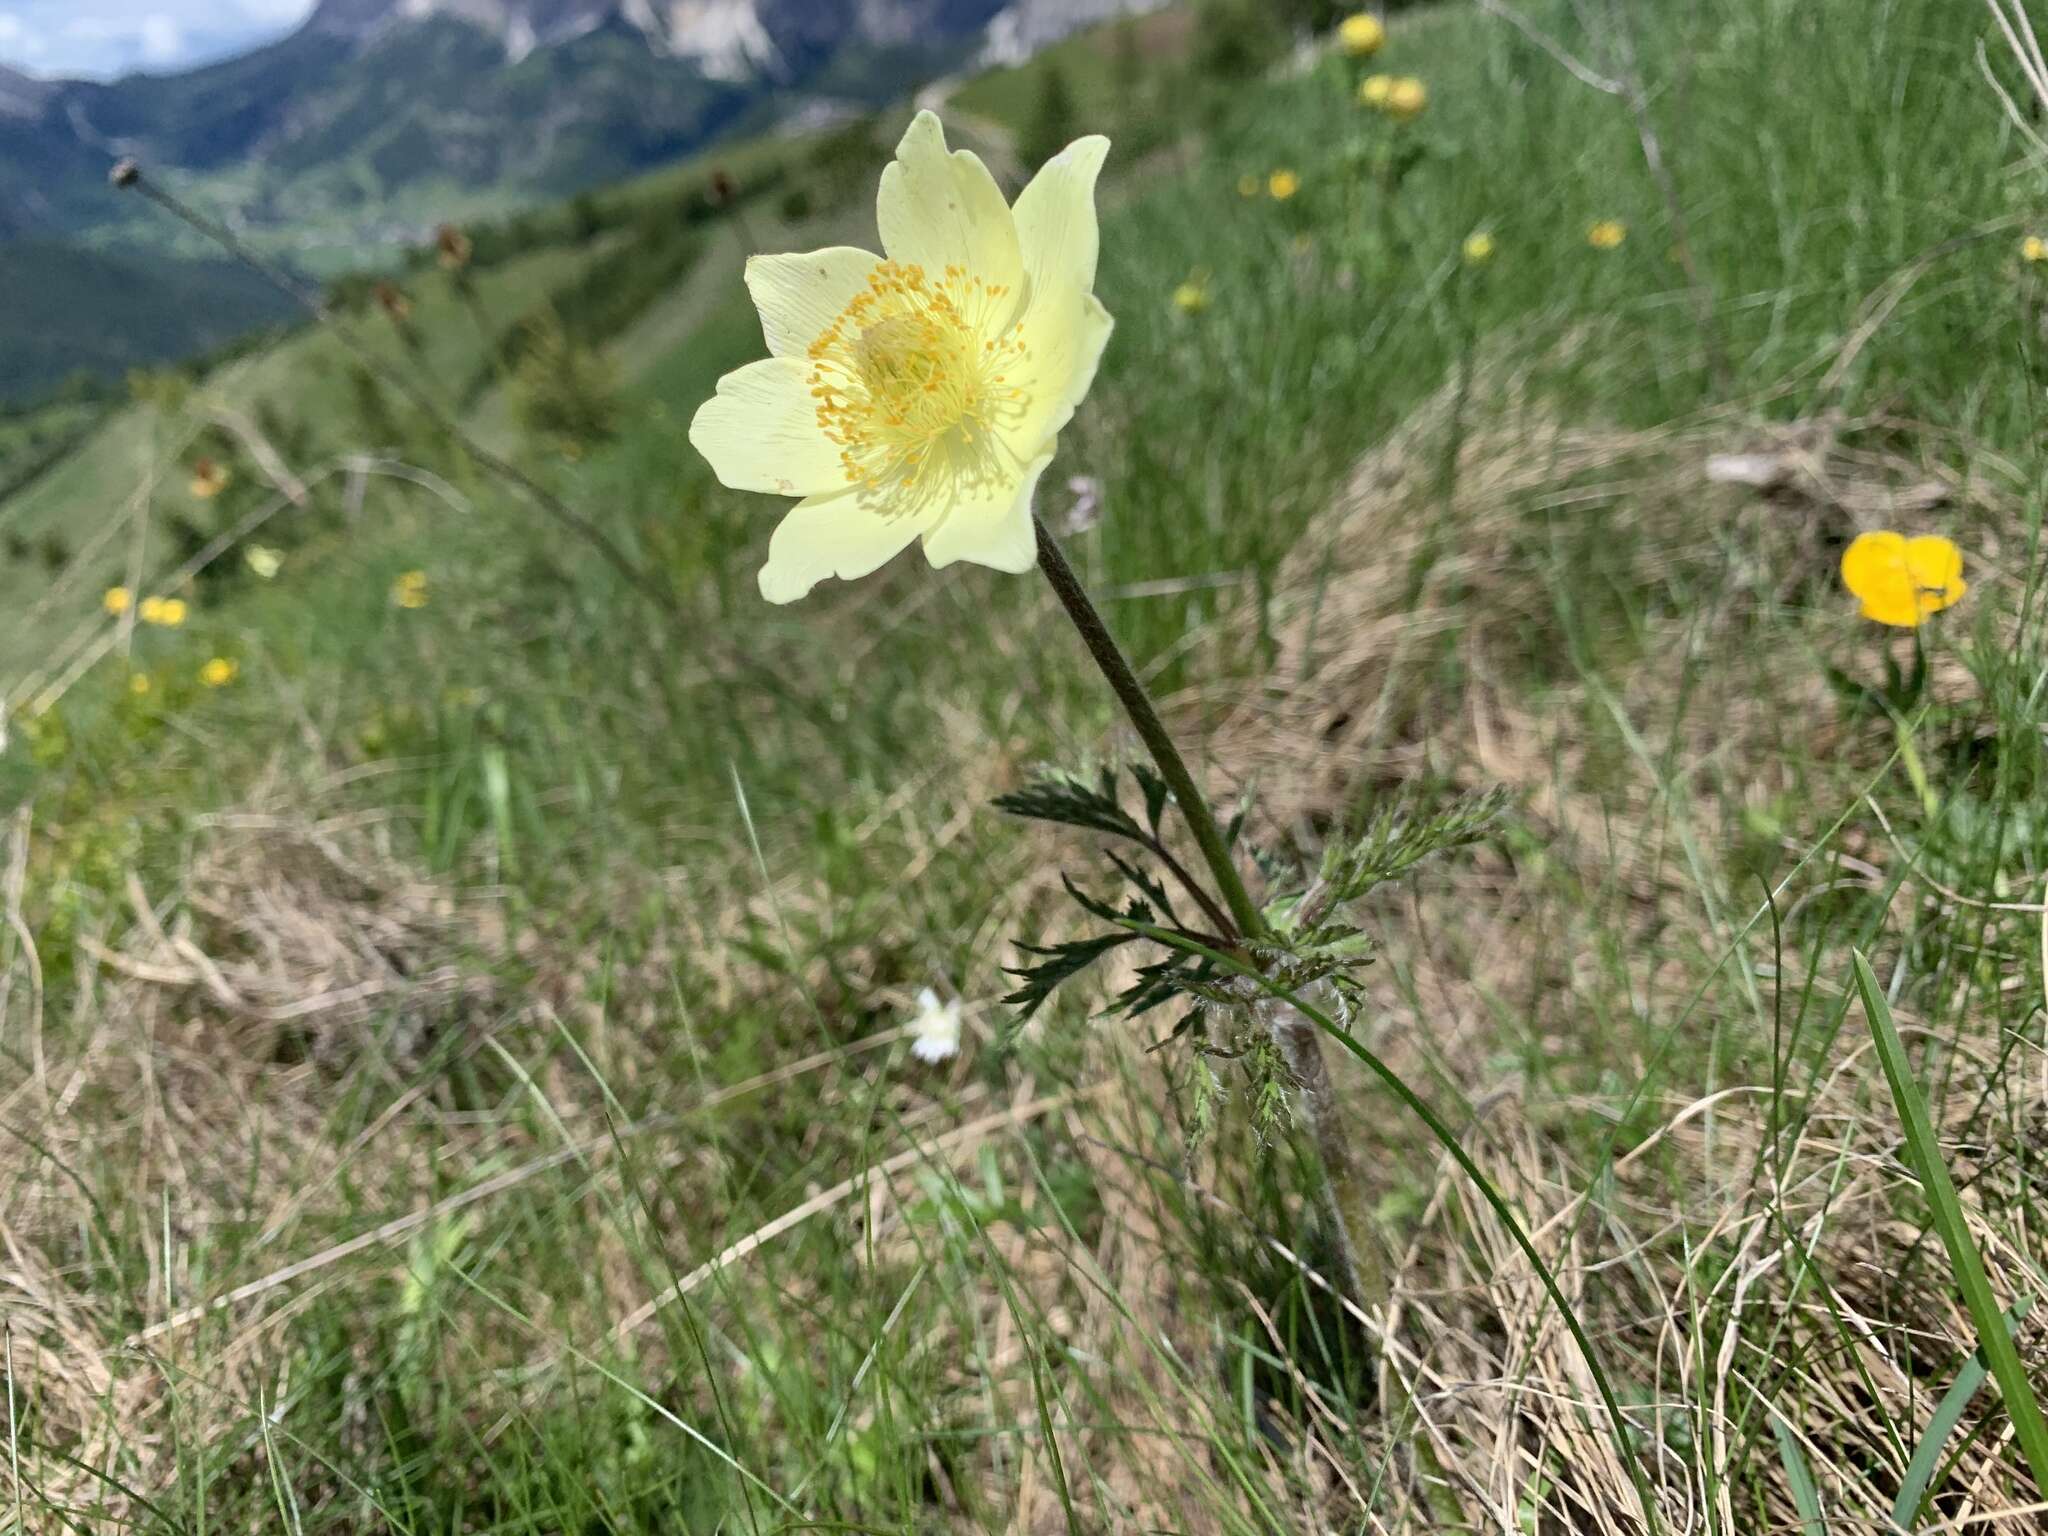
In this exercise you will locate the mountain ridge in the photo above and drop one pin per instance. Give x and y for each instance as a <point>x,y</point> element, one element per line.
<point>367,99</point>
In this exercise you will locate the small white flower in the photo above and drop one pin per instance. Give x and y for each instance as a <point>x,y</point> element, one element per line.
<point>938,1027</point>
<point>1086,511</point>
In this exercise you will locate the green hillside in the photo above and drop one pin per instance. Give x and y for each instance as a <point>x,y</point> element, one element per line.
<point>460,983</point>
<point>73,311</point>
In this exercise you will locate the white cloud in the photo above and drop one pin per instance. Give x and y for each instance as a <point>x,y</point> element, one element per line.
<point>159,39</point>
<point>108,37</point>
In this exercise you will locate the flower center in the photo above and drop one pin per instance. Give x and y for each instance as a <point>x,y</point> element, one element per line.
<point>915,381</point>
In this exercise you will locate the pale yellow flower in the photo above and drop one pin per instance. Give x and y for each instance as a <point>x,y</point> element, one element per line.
<point>1373,90</point>
<point>1406,98</point>
<point>2034,248</point>
<point>1478,248</point>
<point>117,600</point>
<point>1192,296</point>
<point>1900,581</point>
<point>921,395</point>
<point>410,590</point>
<point>1606,234</point>
<point>219,672</point>
<point>263,560</point>
<point>139,684</point>
<point>1282,185</point>
<point>1361,35</point>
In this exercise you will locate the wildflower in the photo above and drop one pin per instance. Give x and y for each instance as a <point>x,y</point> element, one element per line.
<point>452,247</point>
<point>1192,296</point>
<point>2034,248</point>
<point>937,1027</point>
<point>919,395</point>
<point>1606,234</point>
<point>1374,90</point>
<point>209,478</point>
<point>263,560</point>
<point>139,684</point>
<point>1406,97</point>
<point>1086,511</point>
<point>1900,581</point>
<point>1361,36</point>
<point>117,600</point>
<point>169,612</point>
<point>1478,248</point>
<point>219,672</point>
<point>1248,185</point>
<point>1282,185</point>
<point>410,589</point>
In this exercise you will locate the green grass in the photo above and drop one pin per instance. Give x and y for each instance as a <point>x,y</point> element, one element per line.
<point>560,946</point>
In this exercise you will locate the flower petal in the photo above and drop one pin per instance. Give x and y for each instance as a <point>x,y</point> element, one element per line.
<point>760,432</point>
<point>996,531</point>
<point>831,536</point>
<point>802,293</point>
<point>1874,570</point>
<point>938,209</point>
<point>1935,567</point>
<point>1056,227</point>
<point>1063,342</point>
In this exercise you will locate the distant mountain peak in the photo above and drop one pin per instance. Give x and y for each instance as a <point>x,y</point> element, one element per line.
<point>371,100</point>
<point>725,38</point>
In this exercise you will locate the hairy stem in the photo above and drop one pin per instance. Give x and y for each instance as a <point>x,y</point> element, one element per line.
<point>1347,1201</point>
<point>1194,807</point>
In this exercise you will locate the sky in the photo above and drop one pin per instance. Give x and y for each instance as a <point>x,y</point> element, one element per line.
<point>101,38</point>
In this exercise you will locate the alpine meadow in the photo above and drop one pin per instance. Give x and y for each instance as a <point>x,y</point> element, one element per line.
<point>1029,766</point>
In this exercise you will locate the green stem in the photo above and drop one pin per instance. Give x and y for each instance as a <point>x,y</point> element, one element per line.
<point>1194,808</point>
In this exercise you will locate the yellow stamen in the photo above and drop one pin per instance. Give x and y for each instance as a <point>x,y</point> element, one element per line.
<point>911,384</point>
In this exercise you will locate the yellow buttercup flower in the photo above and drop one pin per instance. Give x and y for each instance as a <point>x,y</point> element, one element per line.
<point>166,611</point>
<point>1606,234</point>
<point>1361,35</point>
<point>1406,98</point>
<point>920,394</point>
<point>410,590</point>
<point>219,672</point>
<point>117,600</point>
<point>1900,581</point>
<point>1374,90</point>
<point>1478,248</point>
<point>139,684</point>
<point>1192,296</point>
<point>263,560</point>
<point>209,479</point>
<point>2034,248</point>
<point>1282,185</point>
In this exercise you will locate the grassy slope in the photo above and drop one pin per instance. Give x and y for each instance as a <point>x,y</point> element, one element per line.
<point>76,310</point>
<point>1639,655</point>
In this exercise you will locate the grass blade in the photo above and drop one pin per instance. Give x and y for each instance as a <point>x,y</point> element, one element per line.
<point>1946,1212</point>
<point>1947,1414</point>
<point>1805,1497</point>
